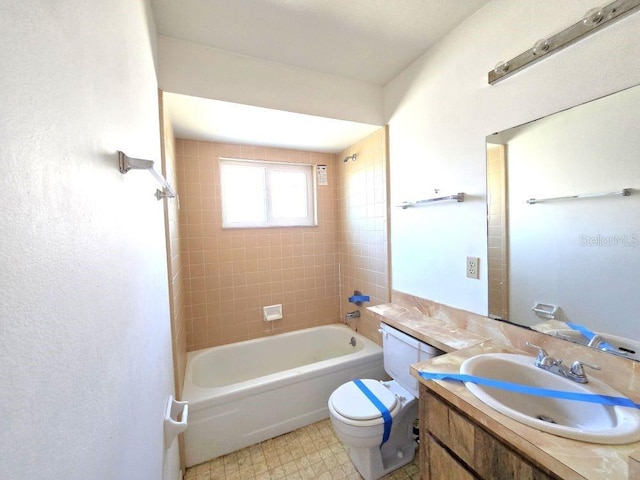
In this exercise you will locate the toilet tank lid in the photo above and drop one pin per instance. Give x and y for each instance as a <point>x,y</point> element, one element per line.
<point>351,402</point>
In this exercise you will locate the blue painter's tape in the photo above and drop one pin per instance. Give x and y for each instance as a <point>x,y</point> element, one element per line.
<point>536,391</point>
<point>359,298</point>
<point>386,415</point>
<point>588,334</point>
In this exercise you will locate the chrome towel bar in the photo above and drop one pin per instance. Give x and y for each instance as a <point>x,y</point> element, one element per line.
<point>127,163</point>
<point>625,192</point>
<point>458,197</point>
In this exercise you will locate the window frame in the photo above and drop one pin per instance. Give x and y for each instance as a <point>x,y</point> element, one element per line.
<point>311,220</point>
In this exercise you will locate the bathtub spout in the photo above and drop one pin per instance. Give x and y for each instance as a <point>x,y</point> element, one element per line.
<point>352,315</point>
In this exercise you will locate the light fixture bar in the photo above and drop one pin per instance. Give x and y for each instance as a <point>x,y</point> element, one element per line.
<point>593,20</point>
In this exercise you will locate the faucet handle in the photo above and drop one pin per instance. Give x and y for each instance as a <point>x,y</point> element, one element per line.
<point>542,353</point>
<point>576,368</point>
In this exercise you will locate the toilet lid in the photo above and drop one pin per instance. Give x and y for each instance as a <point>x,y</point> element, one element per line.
<point>351,402</point>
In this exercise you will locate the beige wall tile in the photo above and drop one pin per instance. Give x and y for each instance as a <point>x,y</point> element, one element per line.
<point>234,273</point>
<point>229,275</point>
<point>362,229</point>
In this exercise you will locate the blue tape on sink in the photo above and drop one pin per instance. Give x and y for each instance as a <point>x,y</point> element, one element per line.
<point>536,391</point>
<point>386,415</point>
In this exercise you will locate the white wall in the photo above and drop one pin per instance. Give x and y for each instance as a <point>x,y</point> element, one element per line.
<point>441,108</point>
<point>206,72</point>
<point>85,343</point>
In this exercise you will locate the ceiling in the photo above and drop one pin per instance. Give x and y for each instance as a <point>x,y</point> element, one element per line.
<point>370,41</point>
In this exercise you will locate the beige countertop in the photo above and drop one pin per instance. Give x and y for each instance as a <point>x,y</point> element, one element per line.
<point>569,459</point>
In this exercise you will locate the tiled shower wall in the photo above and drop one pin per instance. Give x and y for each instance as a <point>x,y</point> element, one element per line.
<point>174,257</point>
<point>497,259</point>
<point>364,252</point>
<point>230,274</point>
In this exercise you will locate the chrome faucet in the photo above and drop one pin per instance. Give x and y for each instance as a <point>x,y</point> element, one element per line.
<point>595,341</point>
<point>553,365</point>
<point>352,315</point>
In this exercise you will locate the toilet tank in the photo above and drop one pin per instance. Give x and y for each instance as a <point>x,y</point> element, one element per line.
<point>402,350</point>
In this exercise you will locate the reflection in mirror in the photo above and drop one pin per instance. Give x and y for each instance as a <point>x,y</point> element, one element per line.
<point>563,204</point>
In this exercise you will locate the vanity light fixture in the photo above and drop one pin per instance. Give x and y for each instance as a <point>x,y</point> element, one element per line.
<point>595,19</point>
<point>350,157</point>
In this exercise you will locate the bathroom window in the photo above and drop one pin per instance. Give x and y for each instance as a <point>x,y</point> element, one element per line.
<point>266,194</point>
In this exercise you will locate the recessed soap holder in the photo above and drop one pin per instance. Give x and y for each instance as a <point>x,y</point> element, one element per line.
<point>272,312</point>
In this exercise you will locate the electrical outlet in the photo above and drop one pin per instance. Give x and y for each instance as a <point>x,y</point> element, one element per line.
<point>473,267</point>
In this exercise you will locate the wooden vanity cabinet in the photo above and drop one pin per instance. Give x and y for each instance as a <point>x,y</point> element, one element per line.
<point>454,447</point>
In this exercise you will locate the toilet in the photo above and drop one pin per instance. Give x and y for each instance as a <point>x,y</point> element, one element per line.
<point>375,419</point>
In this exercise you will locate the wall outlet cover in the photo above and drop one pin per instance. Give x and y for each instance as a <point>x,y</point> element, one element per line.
<point>473,267</point>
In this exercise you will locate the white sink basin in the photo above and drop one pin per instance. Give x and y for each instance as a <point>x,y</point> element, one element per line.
<point>589,422</point>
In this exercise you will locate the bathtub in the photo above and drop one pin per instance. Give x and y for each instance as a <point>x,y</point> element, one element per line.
<point>247,392</point>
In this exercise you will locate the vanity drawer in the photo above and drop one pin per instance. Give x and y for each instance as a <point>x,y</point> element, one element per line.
<point>442,465</point>
<point>450,428</point>
<point>455,447</point>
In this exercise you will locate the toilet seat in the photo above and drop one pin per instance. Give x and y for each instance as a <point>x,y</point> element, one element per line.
<point>351,402</point>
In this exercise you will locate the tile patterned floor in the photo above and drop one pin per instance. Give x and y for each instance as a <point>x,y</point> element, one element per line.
<point>311,452</point>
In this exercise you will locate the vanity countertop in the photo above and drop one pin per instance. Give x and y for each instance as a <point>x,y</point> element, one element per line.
<point>569,459</point>
<point>441,334</point>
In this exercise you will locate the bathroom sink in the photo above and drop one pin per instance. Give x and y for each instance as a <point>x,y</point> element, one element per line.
<point>589,422</point>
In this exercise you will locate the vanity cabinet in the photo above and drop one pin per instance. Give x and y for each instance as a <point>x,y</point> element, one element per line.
<point>454,447</point>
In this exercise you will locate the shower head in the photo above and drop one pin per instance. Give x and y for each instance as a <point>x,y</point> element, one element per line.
<point>350,157</point>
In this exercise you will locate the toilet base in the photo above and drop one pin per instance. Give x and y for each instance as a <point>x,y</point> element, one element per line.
<point>373,464</point>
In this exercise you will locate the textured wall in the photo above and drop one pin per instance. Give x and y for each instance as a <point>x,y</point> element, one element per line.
<point>86,341</point>
<point>206,72</point>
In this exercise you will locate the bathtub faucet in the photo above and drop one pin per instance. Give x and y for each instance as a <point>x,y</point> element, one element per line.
<point>352,315</point>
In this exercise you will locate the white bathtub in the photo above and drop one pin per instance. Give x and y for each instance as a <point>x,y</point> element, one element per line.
<point>247,392</point>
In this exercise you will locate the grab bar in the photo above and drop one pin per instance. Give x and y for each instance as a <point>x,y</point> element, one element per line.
<point>127,163</point>
<point>458,197</point>
<point>625,192</point>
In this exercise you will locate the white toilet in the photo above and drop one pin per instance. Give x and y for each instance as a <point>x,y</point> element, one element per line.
<point>379,445</point>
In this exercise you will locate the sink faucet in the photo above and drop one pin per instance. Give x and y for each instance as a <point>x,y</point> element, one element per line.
<point>553,365</point>
<point>595,341</point>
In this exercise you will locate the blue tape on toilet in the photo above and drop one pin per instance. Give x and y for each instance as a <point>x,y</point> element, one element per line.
<point>536,391</point>
<point>588,334</point>
<point>386,415</point>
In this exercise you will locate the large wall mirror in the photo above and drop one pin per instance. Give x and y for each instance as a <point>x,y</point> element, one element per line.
<point>563,209</point>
